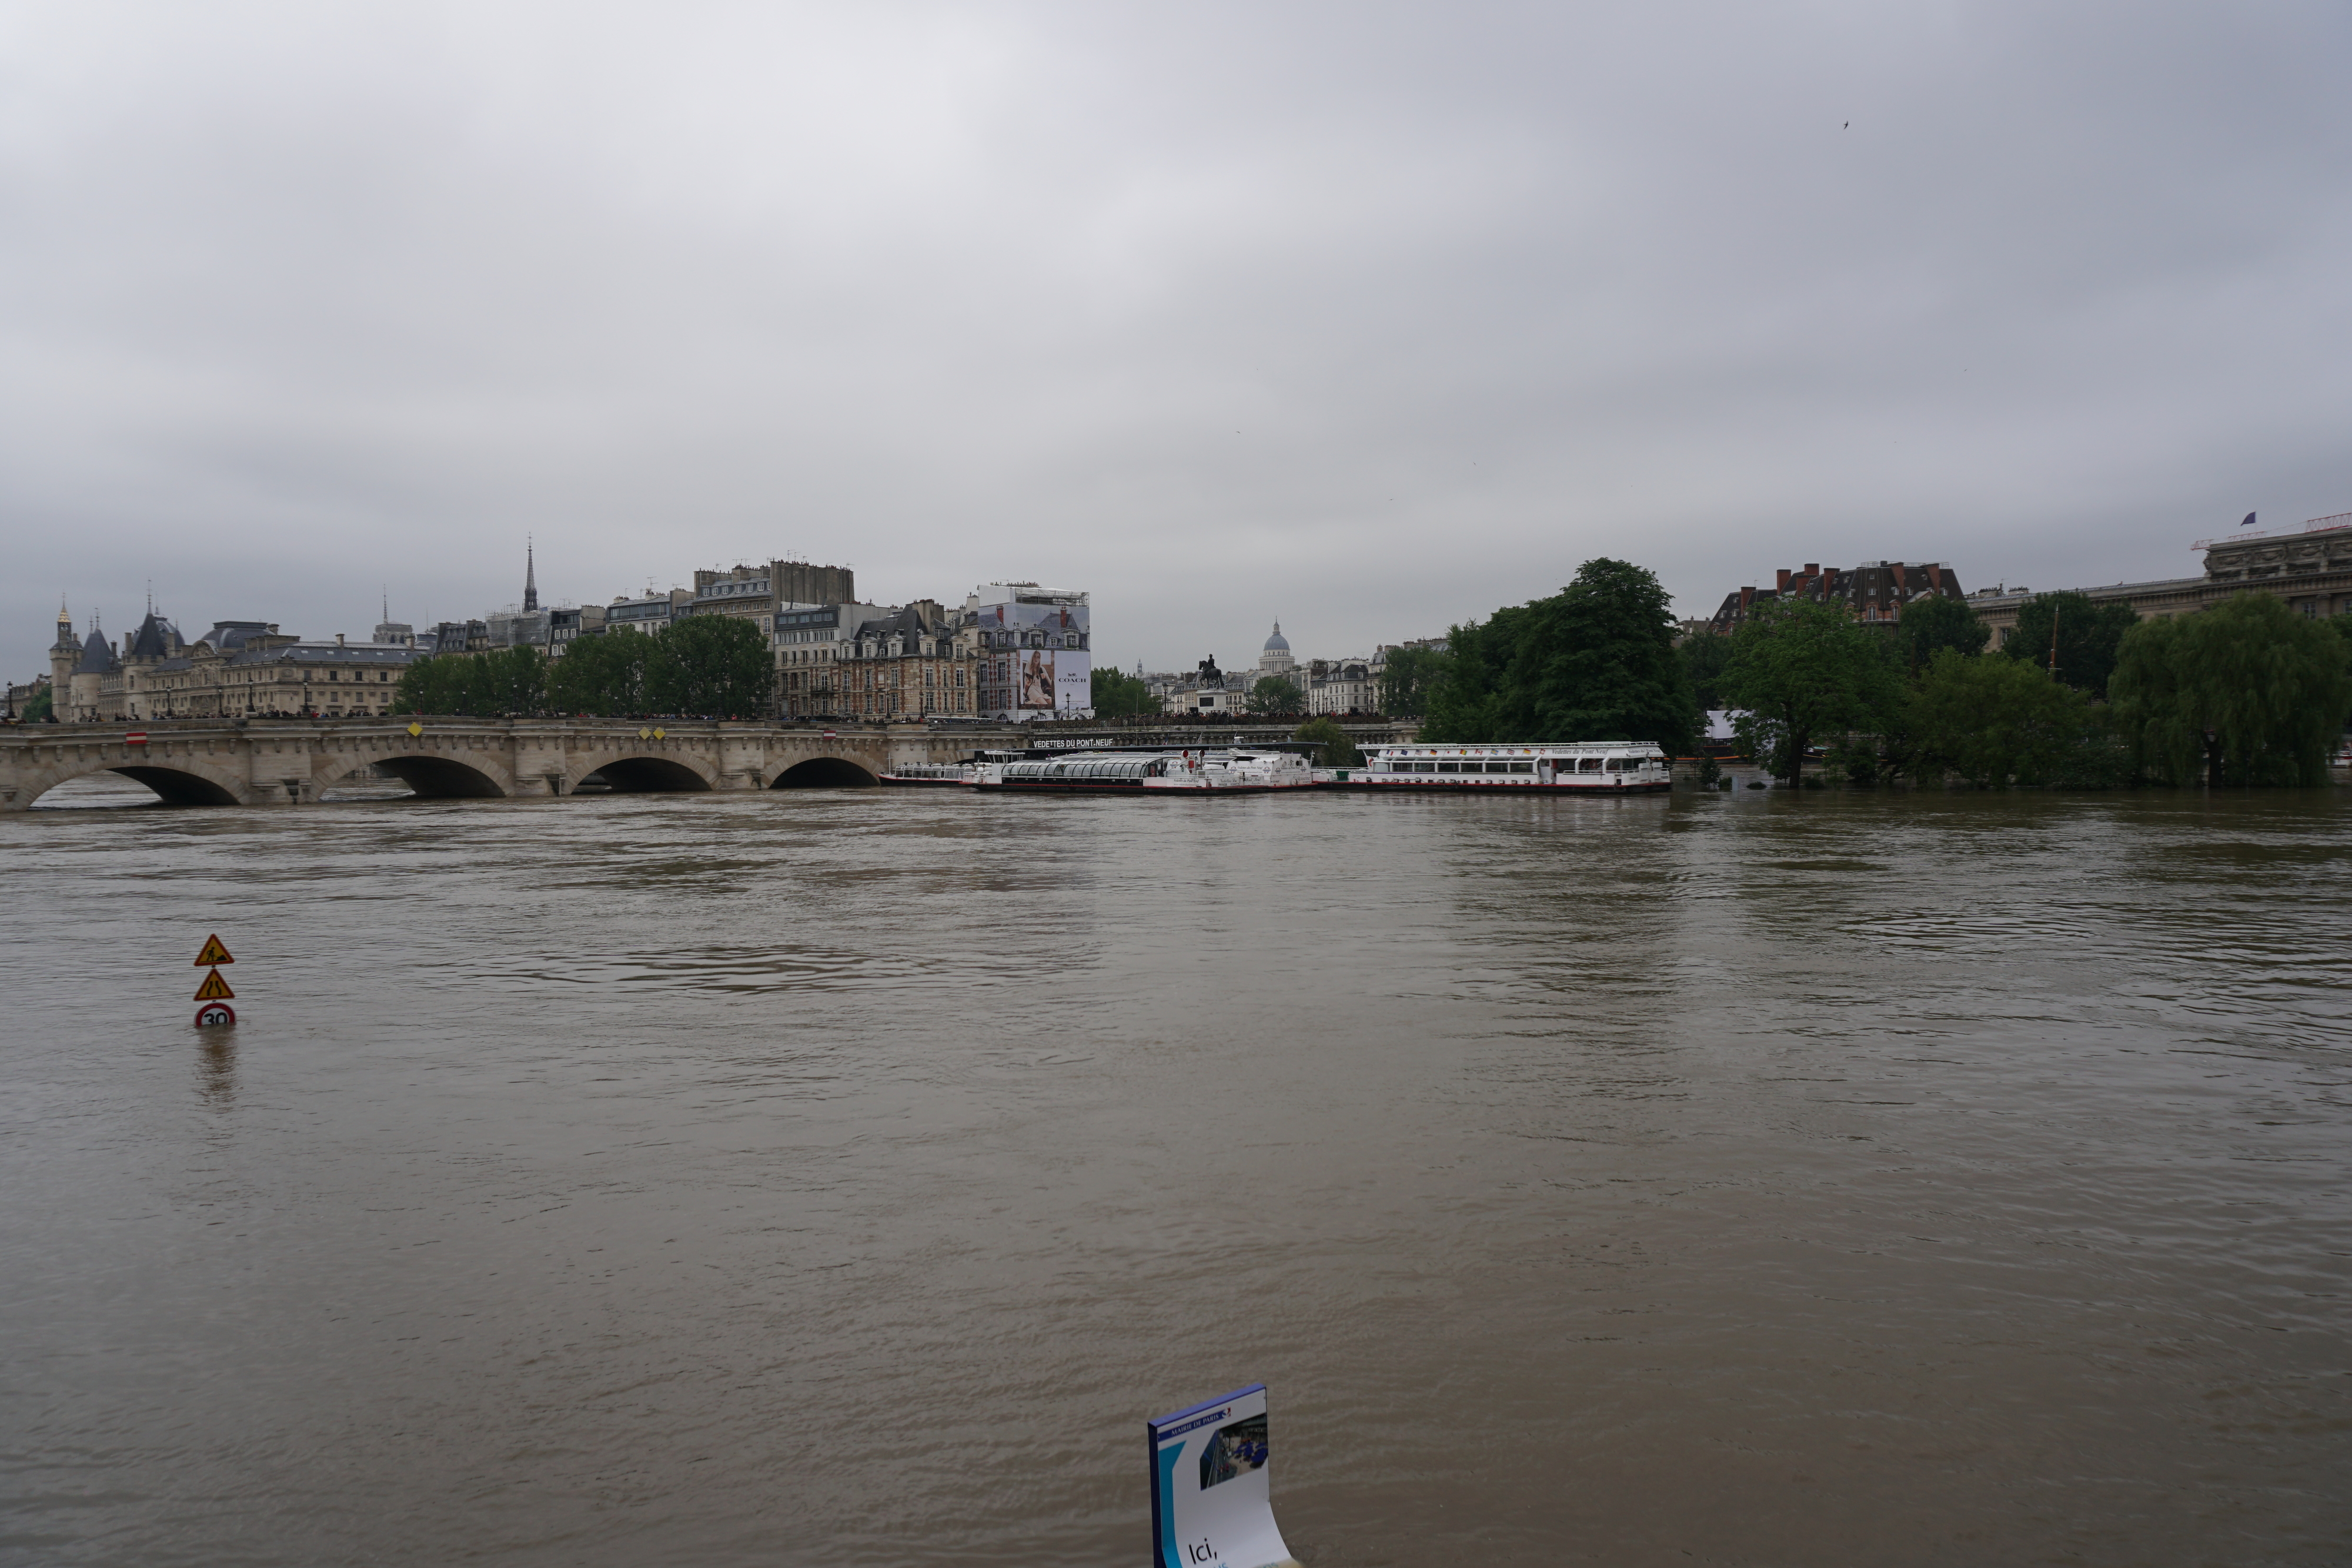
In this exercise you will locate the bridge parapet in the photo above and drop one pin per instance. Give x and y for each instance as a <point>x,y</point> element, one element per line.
<point>279,762</point>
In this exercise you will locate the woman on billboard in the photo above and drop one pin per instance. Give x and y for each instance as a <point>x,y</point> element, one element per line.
<point>1038,682</point>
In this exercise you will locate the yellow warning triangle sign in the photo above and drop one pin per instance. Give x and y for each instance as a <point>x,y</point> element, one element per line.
<point>213,990</point>
<point>214,953</point>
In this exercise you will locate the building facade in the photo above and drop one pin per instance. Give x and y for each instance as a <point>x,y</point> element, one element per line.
<point>2310,568</point>
<point>239,669</point>
<point>906,663</point>
<point>1036,651</point>
<point>812,641</point>
<point>1341,686</point>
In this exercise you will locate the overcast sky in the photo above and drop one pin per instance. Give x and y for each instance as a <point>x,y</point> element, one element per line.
<point>1367,317</point>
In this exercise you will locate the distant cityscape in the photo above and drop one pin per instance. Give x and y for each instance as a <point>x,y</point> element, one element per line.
<point>1010,652</point>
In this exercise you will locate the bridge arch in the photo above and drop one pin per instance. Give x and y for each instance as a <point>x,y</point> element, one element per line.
<point>824,773</point>
<point>194,785</point>
<point>655,775</point>
<point>182,787</point>
<point>435,778</point>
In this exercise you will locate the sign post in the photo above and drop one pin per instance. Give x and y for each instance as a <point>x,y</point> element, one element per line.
<point>1212,1497</point>
<point>214,1011</point>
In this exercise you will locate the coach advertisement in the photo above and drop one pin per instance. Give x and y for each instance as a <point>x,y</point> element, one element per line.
<point>1045,638</point>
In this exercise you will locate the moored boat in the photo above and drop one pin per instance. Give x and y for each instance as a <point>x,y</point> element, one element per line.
<point>953,774</point>
<point>1584,767</point>
<point>1237,771</point>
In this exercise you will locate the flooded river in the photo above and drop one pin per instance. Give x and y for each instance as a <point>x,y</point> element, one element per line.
<point>842,1177</point>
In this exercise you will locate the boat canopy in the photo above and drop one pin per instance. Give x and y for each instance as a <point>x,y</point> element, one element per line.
<point>1109,768</point>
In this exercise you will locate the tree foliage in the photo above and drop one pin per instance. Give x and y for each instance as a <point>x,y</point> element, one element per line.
<point>1116,696</point>
<point>41,709</point>
<point>1337,751</point>
<point>503,681</point>
<point>1274,694</point>
<point>1801,671</point>
<point>603,676</point>
<point>712,666</point>
<point>2245,693</point>
<point>1594,661</point>
<point>1407,678</point>
<point>1997,722</point>
<point>1704,655</point>
<point>1935,623</point>
<point>2087,635</point>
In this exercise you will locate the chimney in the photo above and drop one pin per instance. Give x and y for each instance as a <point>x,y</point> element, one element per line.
<point>339,639</point>
<point>1783,584</point>
<point>1813,569</point>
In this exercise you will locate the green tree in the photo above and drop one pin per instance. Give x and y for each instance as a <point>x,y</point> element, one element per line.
<point>1704,654</point>
<point>1935,623</point>
<point>485,685</point>
<point>1594,661</point>
<point>716,666</point>
<point>2245,693</point>
<point>1996,722</point>
<point>443,683</point>
<point>1119,696</point>
<point>1802,671</point>
<point>1337,751</point>
<point>603,675</point>
<point>1274,694</point>
<point>514,680</point>
<point>2087,634</point>
<point>42,709</point>
<point>1408,677</point>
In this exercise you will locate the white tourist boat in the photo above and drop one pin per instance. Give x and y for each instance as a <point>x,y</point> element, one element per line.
<point>1586,768</point>
<point>938,774</point>
<point>1233,770</point>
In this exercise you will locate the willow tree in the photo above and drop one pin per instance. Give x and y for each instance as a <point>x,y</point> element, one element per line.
<point>2245,693</point>
<point>1594,661</point>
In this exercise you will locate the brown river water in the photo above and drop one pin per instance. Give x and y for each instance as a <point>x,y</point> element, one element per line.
<point>843,1176</point>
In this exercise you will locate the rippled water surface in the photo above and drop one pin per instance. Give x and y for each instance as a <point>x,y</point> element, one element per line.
<point>840,1178</point>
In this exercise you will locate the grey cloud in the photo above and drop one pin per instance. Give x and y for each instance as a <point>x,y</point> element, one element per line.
<point>1368,317</point>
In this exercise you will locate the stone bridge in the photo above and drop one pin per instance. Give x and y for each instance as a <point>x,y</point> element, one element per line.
<point>286,762</point>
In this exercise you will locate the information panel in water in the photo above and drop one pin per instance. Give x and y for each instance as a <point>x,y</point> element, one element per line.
<point>1212,1499</point>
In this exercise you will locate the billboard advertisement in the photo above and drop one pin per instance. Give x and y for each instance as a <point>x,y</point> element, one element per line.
<point>1212,1497</point>
<point>1040,653</point>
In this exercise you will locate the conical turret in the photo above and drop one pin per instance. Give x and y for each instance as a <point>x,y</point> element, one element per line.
<point>530,579</point>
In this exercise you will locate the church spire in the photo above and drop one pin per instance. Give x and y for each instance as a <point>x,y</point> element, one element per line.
<point>529,577</point>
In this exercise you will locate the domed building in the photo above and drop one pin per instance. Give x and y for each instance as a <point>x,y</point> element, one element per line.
<point>1276,660</point>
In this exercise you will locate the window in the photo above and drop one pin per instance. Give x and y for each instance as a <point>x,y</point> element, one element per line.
<point>1450,766</point>
<point>1587,765</point>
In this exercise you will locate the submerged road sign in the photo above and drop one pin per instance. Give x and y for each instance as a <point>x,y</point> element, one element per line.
<point>214,953</point>
<point>213,990</point>
<point>213,1015</point>
<point>1212,1498</point>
